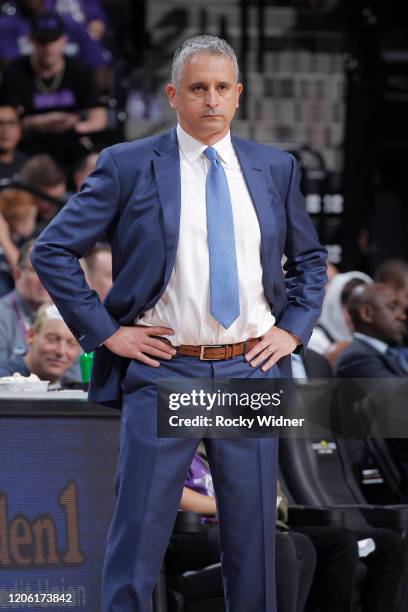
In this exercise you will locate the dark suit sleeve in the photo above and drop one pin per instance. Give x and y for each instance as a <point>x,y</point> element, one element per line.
<point>75,229</point>
<point>360,365</point>
<point>305,267</point>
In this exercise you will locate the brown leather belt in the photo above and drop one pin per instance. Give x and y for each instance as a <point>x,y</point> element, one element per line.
<point>216,352</point>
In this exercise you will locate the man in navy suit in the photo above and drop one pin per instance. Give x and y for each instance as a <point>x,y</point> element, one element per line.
<point>198,222</point>
<point>379,322</point>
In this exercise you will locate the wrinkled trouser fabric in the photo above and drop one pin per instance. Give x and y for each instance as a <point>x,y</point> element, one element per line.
<point>150,478</point>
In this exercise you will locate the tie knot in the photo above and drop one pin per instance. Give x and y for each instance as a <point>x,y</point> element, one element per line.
<point>211,154</point>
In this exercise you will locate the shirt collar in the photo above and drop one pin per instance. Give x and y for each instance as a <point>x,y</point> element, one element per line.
<point>192,148</point>
<point>381,346</point>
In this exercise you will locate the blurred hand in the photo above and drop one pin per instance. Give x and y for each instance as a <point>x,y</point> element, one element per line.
<point>275,344</point>
<point>59,122</point>
<point>137,342</point>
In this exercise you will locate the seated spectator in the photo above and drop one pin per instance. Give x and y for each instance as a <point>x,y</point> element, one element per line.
<point>336,548</point>
<point>83,169</point>
<point>334,328</point>
<point>11,159</point>
<point>295,556</point>
<point>57,94</point>
<point>19,308</point>
<point>97,266</point>
<point>86,12</point>
<point>18,213</point>
<point>379,323</point>
<point>15,39</point>
<point>336,551</point>
<point>394,273</point>
<point>43,174</point>
<point>52,349</point>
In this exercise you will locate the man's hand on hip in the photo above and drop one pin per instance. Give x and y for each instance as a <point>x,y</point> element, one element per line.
<point>275,344</point>
<point>138,342</point>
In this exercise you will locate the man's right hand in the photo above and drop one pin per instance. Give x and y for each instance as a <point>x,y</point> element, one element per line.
<point>137,342</point>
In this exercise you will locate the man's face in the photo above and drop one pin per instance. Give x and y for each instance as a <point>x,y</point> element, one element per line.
<point>10,129</point>
<point>206,96</point>
<point>46,209</point>
<point>387,316</point>
<point>49,54</point>
<point>402,295</point>
<point>30,288</point>
<point>52,350</point>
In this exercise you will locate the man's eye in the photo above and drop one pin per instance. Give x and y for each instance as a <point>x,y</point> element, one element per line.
<point>198,88</point>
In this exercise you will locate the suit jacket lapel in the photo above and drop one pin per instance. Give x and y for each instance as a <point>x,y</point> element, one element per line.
<point>167,172</point>
<point>393,364</point>
<point>254,174</point>
<point>390,361</point>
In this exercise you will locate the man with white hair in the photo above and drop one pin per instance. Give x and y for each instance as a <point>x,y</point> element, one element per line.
<point>198,222</point>
<point>52,349</point>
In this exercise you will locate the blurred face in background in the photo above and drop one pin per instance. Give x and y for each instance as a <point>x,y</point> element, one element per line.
<point>49,54</point>
<point>402,295</point>
<point>52,350</point>
<point>19,210</point>
<point>46,209</point>
<point>10,129</point>
<point>30,288</point>
<point>386,316</point>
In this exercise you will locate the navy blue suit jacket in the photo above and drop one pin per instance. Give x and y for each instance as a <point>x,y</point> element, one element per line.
<point>134,196</point>
<point>361,360</point>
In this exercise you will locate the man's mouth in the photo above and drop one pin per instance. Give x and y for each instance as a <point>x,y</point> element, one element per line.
<point>55,362</point>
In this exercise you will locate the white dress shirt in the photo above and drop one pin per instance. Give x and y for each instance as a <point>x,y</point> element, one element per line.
<point>185,305</point>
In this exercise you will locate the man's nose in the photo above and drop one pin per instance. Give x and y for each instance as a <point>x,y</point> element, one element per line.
<point>402,315</point>
<point>211,99</point>
<point>59,349</point>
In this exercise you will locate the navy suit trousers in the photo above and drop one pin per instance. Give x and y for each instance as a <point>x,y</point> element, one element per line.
<point>150,478</point>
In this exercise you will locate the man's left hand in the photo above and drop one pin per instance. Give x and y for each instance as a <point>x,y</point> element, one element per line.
<point>275,344</point>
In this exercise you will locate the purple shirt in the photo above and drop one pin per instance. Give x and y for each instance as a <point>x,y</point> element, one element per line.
<point>82,11</point>
<point>15,43</point>
<point>199,478</point>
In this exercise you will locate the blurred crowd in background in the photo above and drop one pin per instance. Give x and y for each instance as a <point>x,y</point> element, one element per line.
<point>54,119</point>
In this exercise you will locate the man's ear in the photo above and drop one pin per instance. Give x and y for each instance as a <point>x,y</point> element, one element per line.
<point>30,336</point>
<point>365,312</point>
<point>171,94</point>
<point>240,88</point>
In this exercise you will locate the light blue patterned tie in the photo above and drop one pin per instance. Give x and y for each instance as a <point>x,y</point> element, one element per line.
<point>224,289</point>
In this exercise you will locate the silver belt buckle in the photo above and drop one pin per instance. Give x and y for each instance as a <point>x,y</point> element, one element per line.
<point>209,346</point>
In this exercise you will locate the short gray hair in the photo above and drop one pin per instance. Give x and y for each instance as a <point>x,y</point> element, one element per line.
<point>201,44</point>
